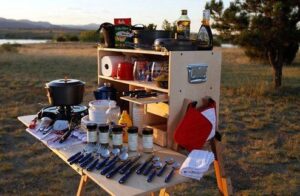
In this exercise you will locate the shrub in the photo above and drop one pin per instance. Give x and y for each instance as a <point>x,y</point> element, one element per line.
<point>9,47</point>
<point>89,36</point>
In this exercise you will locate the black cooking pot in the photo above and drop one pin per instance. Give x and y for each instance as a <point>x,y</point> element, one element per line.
<point>65,92</point>
<point>144,38</point>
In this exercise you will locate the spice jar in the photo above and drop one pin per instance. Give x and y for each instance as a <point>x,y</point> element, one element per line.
<point>117,136</point>
<point>92,133</point>
<point>103,135</point>
<point>132,138</point>
<point>148,139</point>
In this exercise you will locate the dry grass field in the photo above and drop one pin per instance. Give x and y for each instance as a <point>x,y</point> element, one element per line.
<point>260,126</point>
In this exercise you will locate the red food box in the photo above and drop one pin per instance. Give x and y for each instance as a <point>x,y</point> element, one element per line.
<point>122,21</point>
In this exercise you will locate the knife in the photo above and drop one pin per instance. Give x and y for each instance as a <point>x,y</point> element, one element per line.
<point>92,165</point>
<point>86,162</point>
<point>128,173</point>
<point>74,156</point>
<point>144,165</point>
<point>85,158</point>
<point>76,159</point>
<point>115,171</point>
<point>102,163</point>
<point>108,168</point>
<point>128,165</point>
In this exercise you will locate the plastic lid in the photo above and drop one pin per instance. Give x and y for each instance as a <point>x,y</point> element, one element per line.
<point>132,129</point>
<point>64,82</point>
<point>147,131</point>
<point>117,129</point>
<point>112,104</point>
<point>183,12</point>
<point>103,127</point>
<point>91,126</point>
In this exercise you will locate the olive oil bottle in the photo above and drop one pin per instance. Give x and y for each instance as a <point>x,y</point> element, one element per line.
<point>205,37</point>
<point>183,26</point>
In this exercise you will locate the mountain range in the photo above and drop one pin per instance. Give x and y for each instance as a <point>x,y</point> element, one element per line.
<point>27,24</point>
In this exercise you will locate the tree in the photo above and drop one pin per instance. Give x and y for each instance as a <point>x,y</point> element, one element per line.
<point>267,29</point>
<point>90,36</point>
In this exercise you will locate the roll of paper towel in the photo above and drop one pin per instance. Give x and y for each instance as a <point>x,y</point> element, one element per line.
<point>109,65</point>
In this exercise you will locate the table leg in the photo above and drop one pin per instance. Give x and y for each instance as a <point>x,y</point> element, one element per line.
<point>83,181</point>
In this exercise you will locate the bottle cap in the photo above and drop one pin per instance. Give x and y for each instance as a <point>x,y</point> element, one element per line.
<point>147,131</point>
<point>117,129</point>
<point>103,127</point>
<point>132,129</point>
<point>91,126</point>
<point>183,12</point>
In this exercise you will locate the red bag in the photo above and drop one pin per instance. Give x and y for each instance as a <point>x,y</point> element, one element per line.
<point>196,126</point>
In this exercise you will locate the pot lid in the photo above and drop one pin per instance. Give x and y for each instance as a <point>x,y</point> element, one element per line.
<point>64,82</point>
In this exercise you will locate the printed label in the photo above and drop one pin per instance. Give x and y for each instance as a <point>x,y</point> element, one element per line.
<point>132,142</point>
<point>91,136</point>
<point>148,141</point>
<point>117,139</point>
<point>103,138</point>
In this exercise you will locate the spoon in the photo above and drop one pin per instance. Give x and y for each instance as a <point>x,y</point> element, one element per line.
<point>168,161</point>
<point>116,170</point>
<point>104,153</point>
<point>148,170</point>
<point>175,166</point>
<point>115,152</point>
<point>122,157</point>
<point>157,165</point>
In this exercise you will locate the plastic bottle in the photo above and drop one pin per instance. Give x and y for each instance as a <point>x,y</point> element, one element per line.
<point>125,121</point>
<point>205,36</point>
<point>112,113</point>
<point>183,26</point>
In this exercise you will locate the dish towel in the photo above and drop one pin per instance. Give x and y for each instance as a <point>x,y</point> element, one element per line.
<point>196,164</point>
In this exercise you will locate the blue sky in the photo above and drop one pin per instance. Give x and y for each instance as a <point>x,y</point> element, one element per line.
<point>98,11</point>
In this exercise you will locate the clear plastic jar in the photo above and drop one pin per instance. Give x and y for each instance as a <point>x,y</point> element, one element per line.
<point>117,136</point>
<point>92,133</point>
<point>112,113</point>
<point>132,138</point>
<point>103,135</point>
<point>147,140</point>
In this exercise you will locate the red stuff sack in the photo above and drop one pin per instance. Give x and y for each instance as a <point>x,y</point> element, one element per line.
<point>196,127</point>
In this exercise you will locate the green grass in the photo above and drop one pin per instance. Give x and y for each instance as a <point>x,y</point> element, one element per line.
<point>260,126</point>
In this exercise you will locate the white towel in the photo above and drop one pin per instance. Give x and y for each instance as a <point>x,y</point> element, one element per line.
<point>196,164</point>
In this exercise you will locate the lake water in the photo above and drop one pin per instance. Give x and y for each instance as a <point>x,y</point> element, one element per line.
<point>23,41</point>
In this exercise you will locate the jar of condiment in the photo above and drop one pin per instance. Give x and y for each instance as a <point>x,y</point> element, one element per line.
<point>92,133</point>
<point>117,136</point>
<point>148,140</point>
<point>132,138</point>
<point>103,135</point>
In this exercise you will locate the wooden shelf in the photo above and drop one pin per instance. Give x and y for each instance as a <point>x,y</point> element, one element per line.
<point>147,85</point>
<point>144,101</point>
<point>135,51</point>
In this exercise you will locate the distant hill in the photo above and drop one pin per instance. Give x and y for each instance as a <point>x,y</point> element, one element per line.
<point>27,24</point>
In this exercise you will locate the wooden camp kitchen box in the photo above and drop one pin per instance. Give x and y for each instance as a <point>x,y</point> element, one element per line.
<point>192,75</point>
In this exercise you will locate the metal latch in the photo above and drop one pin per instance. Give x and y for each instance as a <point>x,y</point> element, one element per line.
<point>197,73</point>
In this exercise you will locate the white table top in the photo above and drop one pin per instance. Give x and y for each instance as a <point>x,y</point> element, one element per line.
<point>136,184</point>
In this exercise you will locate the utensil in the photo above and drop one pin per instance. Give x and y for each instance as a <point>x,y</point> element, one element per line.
<point>157,165</point>
<point>115,152</point>
<point>93,165</point>
<point>75,160</point>
<point>122,157</point>
<point>88,155</point>
<point>74,156</point>
<point>104,152</point>
<point>130,164</point>
<point>86,162</point>
<point>168,161</point>
<point>175,166</point>
<point>148,170</point>
<point>117,169</point>
<point>128,173</point>
<point>144,165</point>
<point>102,163</point>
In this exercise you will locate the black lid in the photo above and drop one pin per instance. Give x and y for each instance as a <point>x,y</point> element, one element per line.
<point>132,129</point>
<point>147,131</point>
<point>117,129</point>
<point>64,82</point>
<point>183,12</point>
<point>103,127</point>
<point>91,126</point>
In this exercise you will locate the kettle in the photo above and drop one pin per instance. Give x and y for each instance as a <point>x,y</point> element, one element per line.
<point>108,30</point>
<point>106,92</point>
